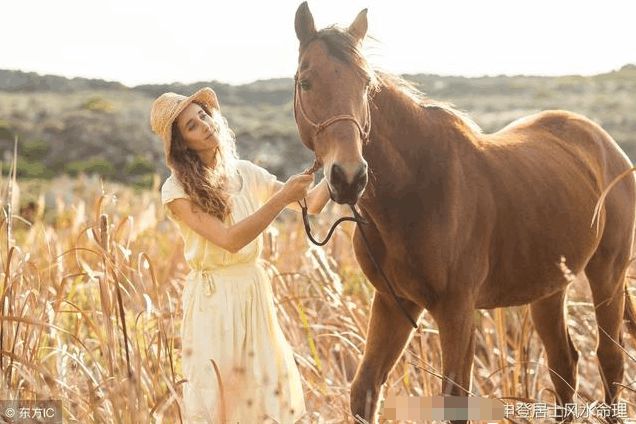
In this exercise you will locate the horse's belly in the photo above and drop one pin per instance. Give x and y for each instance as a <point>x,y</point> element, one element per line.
<point>530,283</point>
<point>515,295</point>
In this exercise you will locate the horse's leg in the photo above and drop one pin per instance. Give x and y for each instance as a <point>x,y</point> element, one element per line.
<point>388,333</point>
<point>607,279</point>
<point>455,320</point>
<point>548,316</point>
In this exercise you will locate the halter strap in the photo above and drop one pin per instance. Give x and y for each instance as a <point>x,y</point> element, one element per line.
<point>319,127</point>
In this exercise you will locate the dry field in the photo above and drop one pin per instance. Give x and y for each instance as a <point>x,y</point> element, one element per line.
<point>92,276</point>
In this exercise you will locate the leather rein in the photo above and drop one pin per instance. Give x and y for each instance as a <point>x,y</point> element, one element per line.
<point>357,218</point>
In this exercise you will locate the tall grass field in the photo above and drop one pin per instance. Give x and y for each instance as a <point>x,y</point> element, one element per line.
<point>92,275</point>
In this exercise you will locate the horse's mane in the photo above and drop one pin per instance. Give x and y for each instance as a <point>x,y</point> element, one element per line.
<point>407,88</point>
<point>344,48</point>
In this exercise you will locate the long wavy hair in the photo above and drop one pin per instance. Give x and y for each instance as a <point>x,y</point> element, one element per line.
<point>205,185</point>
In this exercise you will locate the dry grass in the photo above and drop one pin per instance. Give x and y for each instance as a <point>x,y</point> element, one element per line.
<point>92,281</point>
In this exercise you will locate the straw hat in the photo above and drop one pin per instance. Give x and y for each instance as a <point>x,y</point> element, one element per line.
<point>168,106</point>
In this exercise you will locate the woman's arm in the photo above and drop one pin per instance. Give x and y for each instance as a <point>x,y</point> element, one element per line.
<point>316,198</point>
<point>238,235</point>
<point>232,238</point>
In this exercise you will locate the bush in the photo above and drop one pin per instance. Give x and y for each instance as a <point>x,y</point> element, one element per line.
<point>143,182</point>
<point>28,169</point>
<point>94,165</point>
<point>139,166</point>
<point>5,131</point>
<point>98,104</point>
<point>33,149</point>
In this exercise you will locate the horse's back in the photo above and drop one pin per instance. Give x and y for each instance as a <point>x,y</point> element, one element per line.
<point>575,131</point>
<point>593,148</point>
<point>547,172</point>
<point>566,137</point>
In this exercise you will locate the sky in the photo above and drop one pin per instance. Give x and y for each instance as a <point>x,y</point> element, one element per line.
<point>239,41</point>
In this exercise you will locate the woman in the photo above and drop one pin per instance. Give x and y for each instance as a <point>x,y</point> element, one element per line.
<point>238,365</point>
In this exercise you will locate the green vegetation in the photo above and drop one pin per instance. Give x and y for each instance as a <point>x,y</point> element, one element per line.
<point>27,168</point>
<point>34,149</point>
<point>93,165</point>
<point>92,126</point>
<point>5,131</point>
<point>98,104</point>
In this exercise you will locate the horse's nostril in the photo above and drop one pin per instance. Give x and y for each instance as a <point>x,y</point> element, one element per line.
<point>361,178</point>
<point>348,186</point>
<point>338,176</point>
<point>364,167</point>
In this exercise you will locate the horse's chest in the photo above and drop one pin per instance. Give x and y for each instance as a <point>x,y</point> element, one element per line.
<point>393,260</point>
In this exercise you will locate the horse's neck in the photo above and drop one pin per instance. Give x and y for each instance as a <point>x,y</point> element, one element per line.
<point>406,146</point>
<point>416,155</point>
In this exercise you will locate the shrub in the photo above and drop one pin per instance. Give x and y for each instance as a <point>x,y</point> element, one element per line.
<point>28,169</point>
<point>5,131</point>
<point>139,166</point>
<point>98,104</point>
<point>94,165</point>
<point>33,149</point>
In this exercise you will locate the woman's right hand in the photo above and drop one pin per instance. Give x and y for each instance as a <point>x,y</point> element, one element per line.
<point>296,187</point>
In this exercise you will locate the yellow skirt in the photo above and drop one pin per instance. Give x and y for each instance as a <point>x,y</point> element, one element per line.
<point>238,365</point>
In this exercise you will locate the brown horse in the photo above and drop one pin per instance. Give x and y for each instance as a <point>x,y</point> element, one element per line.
<point>460,220</point>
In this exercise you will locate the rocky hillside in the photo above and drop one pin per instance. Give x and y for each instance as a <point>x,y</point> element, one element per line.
<point>94,126</point>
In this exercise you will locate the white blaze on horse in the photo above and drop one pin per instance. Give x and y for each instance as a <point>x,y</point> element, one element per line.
<point>460,220</point>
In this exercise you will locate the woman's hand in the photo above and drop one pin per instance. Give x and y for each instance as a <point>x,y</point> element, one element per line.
<point>296,187</point>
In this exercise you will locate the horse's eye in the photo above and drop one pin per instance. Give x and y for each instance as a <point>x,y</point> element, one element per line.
<point>304,84</point>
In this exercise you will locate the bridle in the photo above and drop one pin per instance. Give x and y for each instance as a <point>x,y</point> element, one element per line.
<point>357,218</point>
<point>319,127</point>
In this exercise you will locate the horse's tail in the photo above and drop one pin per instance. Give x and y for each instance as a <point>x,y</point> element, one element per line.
<point>630,310</point>
<point>630,313</point>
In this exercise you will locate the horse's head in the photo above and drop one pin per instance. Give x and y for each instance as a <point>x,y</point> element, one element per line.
<point>331,103</point>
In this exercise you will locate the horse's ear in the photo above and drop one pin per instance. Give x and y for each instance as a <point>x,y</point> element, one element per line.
<point>358,29</point>
<point>304,23</point>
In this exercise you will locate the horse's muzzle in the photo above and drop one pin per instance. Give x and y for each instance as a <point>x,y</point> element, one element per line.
<point>347,187</point>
